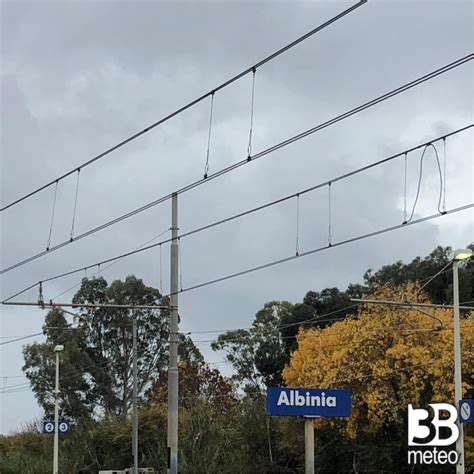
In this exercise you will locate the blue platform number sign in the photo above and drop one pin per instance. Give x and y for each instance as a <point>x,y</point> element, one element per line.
<point>308,402</point>
<point>466,411</point>
<point>48,426</point>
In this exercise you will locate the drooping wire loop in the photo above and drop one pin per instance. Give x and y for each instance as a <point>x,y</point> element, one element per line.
<point>249,147</point>
<point>419,181</point>
<point>48,245</point>
<point>75,206</point>
<point>206,167</point>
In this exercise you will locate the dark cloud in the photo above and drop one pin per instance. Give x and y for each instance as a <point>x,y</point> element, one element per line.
<point>77,77</point>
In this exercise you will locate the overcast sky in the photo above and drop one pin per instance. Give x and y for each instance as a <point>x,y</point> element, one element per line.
<point>78,77</point>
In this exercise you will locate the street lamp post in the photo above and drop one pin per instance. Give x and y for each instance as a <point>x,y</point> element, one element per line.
<point>458,256</point>
<point>57,349</point>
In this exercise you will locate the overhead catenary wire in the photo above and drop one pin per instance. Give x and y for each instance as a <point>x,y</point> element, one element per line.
<point>261,154</point>
<point>29,336</point>
<point>366,376</point>
<point>318,318</point>
<point>191,104</point>
<point>72,374</point>
<point>338,178</point>
<point>325,346</point>
<point>433,277</point>
<point>285,259</point>
<point>235,216</point>
<point>66,375</point>
<point>320,249</point>
<point>101,270</point>
<point>392,329</point>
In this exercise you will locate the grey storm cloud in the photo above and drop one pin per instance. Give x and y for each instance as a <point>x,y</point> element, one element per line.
<point>78,77</point>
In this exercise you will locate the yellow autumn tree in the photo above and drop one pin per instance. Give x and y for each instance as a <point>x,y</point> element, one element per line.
<point>388,357</point>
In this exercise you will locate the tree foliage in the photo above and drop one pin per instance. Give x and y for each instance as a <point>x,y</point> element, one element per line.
<point>96,365</point>
<point>440,290</point>
<point>258,354</point>
<point>388,357</point>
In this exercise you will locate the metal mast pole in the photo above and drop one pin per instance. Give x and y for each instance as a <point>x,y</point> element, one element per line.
<point>56,419</point>
<point>309,446</point>
<point>457,368</point>
<point>173,361</point>
<point>134,401</point>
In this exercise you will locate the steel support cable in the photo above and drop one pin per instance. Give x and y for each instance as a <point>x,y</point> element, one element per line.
<point>67,375</point>
<point>275,262</point>
<point>238,338</point>
<point>347,343</point>
<point>242,214</point>
<point>75,206</point>
<point>192,103</point>
<point>249,146</point>
<point>261,154</point>
<point>48,244</point>
<point>320,249</point>
<point>101,271</point>
<point>390,372</point>
<point>405,331</point>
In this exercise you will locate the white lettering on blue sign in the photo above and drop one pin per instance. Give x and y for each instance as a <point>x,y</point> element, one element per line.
<point>295,399</point>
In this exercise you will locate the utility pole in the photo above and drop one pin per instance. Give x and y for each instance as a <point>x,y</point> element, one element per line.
<point>309,446</point>
<point>134,401</point>
<point>173,361</point>
<point>457,368</point>
<point>57,350</point>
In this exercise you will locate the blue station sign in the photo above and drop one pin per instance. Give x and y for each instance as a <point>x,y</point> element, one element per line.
<point>63,426</point>
<point>308,402</point>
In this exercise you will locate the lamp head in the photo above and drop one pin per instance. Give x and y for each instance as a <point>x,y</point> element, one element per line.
<point>58,348</point>
<point>462,254</point>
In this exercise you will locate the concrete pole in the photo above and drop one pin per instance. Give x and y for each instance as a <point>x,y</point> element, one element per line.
<point>173,362</point>
<point>309,446</point>
<point>457,368</point>
<point>56,420</point>
<point>134,401</point>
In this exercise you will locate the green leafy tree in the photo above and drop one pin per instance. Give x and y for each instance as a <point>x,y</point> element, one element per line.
<point>96,364</point>
<point>77,390</point>
<point>440,290</point>
<point>258,354</point>
<point>318,309</point>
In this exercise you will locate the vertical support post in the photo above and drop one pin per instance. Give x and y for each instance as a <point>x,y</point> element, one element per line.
<point>134,400</point>
<point>56,419</point>
<point>173,361</point>
<point>457,368</point>
<point>309,446</point>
